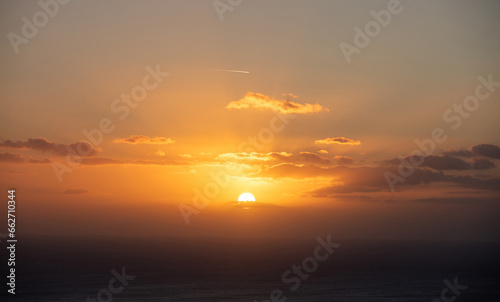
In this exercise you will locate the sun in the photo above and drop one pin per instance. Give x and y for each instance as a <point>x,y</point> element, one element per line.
<point>245,197</point>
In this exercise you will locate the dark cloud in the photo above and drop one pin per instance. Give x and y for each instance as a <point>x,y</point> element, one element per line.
<point>372,179</point>
<point>483,164</point>
<point>485,150</point>
<point>479,182</point>
<point>343,189</point>
<point>354,198</point>
<point>11,158</point>
<point>40,144</point>
<point>459,200</point>
<point>19,159</point>
<point>445,162</point>
<point>308,157</point>
<point>459,153</point>
<point>344,160</point>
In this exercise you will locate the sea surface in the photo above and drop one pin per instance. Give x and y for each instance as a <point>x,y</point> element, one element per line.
<point>74,269</point>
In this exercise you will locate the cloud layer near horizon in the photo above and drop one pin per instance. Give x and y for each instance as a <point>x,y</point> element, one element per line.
<point>452,168</point>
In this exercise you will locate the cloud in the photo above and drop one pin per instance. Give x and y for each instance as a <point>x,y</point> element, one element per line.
<point>485,150</point>
<point>483,164</point>
<point>101,161</point>
<point>253,157</point>
<point>445,162</point>
<point>273,158</point>
<point>142,139</point>
<point>337,140</point>
<point>322,151</point>
<point>11,158</point>
<point>76,191</point>
<point>459,153</point>
<point>342,189</point>
<point>263,102</point>
<point>372,179</point>
<point>368,179</point>
<point>19,159</point>
<point>40,144</point>
<point>308,157</point>
<point>453,200</point>
<point>289,170</point>
<point>344,160</point>
<point>362,198</point>
<point>479,182</point>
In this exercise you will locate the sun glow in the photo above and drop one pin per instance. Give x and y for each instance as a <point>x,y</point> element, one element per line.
<point>246,197</point>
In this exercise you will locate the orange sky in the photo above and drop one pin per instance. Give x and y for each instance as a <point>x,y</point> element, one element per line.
<point>158,116</point>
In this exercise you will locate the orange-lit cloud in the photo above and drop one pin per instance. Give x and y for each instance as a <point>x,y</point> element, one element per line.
<point>309,157</point>
<point>142,139</point>
<point>43,145</point>
<point>322,151</point>
<point>100,161</point>
<point>263,102</point>
<point>273,158</point>
<point>337,140</point>
<point>253,157</point>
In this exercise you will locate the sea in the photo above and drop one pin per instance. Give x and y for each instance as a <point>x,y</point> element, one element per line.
<point>251,269</point>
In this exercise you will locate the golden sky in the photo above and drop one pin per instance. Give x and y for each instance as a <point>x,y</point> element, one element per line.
<point>160,115</point>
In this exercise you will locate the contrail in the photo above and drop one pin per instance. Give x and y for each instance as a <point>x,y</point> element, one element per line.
<point>228,70</point>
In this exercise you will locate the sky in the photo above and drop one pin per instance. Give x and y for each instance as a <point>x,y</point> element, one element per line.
<point>122,116</point>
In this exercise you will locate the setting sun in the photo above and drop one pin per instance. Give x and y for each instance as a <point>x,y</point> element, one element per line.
<point>246,197</point>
